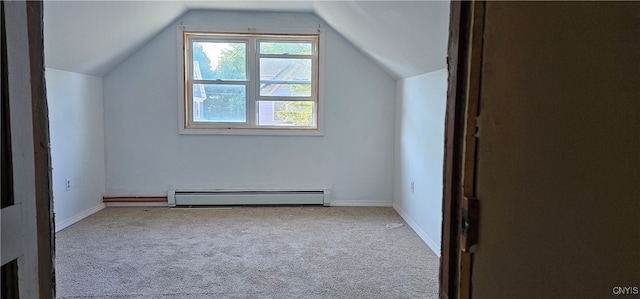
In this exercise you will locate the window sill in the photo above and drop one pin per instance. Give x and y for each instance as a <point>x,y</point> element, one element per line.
<point>254,132</point>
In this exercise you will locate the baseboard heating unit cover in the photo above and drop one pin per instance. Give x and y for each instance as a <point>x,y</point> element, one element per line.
<point>248,197</point>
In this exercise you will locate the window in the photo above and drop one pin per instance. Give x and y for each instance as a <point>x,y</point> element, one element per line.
<point>250,82</point>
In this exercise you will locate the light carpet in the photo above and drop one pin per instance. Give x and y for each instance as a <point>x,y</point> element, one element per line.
<point>244,252</point>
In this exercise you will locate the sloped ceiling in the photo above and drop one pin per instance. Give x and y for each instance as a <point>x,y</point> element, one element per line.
<point>406,38</point>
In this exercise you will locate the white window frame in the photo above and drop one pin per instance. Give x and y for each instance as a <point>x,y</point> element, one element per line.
<point>252,36</point>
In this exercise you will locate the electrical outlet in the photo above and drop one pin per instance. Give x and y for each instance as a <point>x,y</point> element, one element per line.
<point>67,184</point>
<point>412,186</point>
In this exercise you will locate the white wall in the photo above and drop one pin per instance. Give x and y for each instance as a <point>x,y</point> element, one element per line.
<point>77,144</point>
<point>419,153</point>
<point>146,155</point>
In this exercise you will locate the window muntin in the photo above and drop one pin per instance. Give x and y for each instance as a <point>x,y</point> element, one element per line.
<point>251,81</point>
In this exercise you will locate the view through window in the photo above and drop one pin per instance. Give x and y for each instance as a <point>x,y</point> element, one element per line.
<point>236,81</point>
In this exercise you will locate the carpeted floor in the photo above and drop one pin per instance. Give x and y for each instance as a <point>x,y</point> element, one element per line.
<point>244,252</point>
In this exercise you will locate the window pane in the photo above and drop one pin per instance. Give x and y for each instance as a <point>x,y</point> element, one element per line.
<point>219,60</point>
<point>291,48</point>
<point>286,113</point>
<point>219,103</point>
<point>285,77</point>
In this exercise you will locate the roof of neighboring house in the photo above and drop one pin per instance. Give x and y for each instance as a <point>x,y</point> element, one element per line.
<point>282,70</point>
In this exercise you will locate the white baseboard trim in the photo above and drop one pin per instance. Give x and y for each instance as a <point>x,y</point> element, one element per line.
<point>435,247</point>
<point>359,203</point>
<point>335,203</point>
<point>60,225</point>
<point>135,204</point>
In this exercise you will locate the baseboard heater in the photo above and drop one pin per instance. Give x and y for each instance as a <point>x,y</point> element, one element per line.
<point>248,197</point>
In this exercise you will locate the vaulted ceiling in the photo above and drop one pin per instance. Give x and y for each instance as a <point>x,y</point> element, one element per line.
<point>406,38</point>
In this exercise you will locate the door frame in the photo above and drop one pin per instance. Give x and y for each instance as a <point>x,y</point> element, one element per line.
<point>42,151</point>
<point>464,61</point>
<point>44,271</point>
